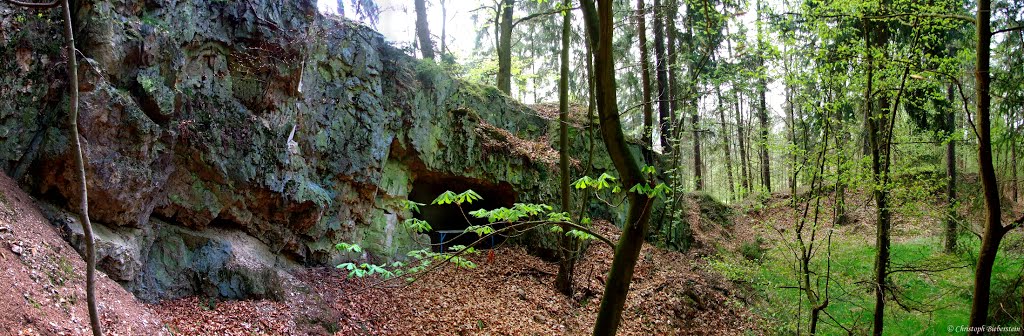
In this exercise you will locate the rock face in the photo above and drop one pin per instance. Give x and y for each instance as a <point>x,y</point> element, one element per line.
<point>227,139</point>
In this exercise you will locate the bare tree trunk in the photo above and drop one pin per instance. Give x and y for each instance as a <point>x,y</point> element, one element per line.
<point>563,281</point>
<point>668,125</point>
<point>698,161</point>
<point>423,30</point>
<point>90,249</point>
<point>600,28</point>
<point>662,65</point>
<point>645,82</point>
<point>727,146</point>
<point>505,47</point>
<point>762,112</point>
<point>744,157</point>
<point>950,219</point>
<point>444,26</point>
<point>1015,167</point>
<point>792,129</point>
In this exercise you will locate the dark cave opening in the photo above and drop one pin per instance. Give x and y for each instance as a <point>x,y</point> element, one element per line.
<point>447,221</point>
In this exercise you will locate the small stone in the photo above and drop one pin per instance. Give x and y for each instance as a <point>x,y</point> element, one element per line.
<point>16,249</point>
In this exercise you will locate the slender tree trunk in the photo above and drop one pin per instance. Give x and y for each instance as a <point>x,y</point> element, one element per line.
<point>762,112</point>
<point>662,65</point>
<point>748,135</point>
<point>444,26</point>
<point>563,282</point>
<point>76,147</point>
<point>762,116</point>
<point>881,195</point>
<point>950,219</point>
<point>600,27</point>
<point>878,112</point>
<point>668,125</point>
<point>744,157</point>
<point>533,66</point>
<point>505,47</point>
<point>497,29</point>
<point>698,161</point>
<point>645,79</point>
<point>792,127</point>
<point>1015,168</point>
<point>841,179</point>
<point>423,30</point>
<point>994,230</point>
<point>727,146</point>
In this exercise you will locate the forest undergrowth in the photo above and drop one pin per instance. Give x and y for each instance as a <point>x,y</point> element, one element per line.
<point>930,289</point>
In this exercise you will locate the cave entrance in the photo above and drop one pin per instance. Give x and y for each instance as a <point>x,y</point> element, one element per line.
<point>447,221</point>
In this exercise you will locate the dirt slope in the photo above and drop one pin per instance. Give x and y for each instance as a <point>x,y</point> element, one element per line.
<point>42,279</point>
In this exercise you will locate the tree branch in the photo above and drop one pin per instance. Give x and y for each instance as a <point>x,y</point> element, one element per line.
<point>889,16</point>
<point>536,15</point>
<point>40,5</point>
<point>1017,223</point>
<point>1007,30</point>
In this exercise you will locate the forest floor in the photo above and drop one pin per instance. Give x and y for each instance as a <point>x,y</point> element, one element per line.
<point>512,294</point>
<point>930,290</point>
<point>734,282</point>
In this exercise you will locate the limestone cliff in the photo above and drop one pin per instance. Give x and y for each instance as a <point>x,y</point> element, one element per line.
<point>219,130</point>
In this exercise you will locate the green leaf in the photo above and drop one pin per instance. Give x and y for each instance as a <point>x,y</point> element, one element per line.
<point>579,235</point>
<point>348,247</point>
<point>417,225</point>
<point>558,217</point>
<point>419,254</point>
<point>648,170</point>
<point>636,189</point>
<point>468,196</point>
<point>480,230</point>
<point>661,190</point>
<point>582,183</point>
<point>410,205</point>
<point>603,181</point>
<point>447,197</point>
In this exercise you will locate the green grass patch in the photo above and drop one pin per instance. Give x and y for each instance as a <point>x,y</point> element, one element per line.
<point>931,290</point>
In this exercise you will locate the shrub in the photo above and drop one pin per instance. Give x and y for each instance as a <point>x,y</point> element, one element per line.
<point>753,250</point>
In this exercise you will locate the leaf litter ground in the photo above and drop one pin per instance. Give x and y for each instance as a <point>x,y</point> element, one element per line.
<point>512,294</point>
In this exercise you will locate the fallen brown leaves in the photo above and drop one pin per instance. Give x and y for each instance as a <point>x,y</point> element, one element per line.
<point>189,316</point>
<point>550,111</point>
<point>511,295</point>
